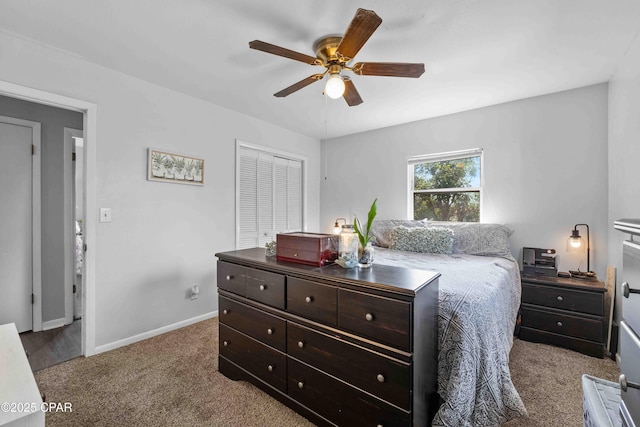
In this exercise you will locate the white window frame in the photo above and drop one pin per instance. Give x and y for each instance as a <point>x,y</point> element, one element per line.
<point>439,157</point>
<point>276,153</point>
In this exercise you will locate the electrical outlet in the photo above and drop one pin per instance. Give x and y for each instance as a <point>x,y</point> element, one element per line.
<point>105,214</point>
<point>195,292</point>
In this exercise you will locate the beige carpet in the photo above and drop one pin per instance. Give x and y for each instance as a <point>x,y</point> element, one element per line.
<point>172,380</point>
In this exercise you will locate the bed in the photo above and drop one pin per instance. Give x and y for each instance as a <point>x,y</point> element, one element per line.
<point>478,305</point>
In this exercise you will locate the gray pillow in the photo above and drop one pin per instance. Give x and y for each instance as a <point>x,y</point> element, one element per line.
<point>380,229</point>
<point>475,238</point>
<point>435,240</point>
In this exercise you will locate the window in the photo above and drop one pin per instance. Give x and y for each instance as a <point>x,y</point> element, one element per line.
<point>269,196</point>
<point>446,186</point>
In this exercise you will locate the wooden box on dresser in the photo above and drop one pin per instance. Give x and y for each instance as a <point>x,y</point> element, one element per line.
<point>346,347</point>
<point>565,312</point>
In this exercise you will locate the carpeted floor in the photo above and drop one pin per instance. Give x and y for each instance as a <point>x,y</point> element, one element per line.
<point>172,380</point>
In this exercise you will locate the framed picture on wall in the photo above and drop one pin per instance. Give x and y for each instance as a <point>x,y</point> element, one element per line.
<point>177,168</point>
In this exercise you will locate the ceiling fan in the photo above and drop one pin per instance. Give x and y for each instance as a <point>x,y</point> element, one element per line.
<point>334,52</point>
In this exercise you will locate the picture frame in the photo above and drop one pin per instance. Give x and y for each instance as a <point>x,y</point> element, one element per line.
<point>164,166</point>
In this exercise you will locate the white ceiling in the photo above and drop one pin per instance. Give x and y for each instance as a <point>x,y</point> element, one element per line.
<point>476,52</point>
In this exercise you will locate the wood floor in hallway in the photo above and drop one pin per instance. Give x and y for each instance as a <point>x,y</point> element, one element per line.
<point>48,348</point>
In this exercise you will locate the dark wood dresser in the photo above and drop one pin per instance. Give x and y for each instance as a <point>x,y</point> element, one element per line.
<point>564,312</point>
<point>347,347</point>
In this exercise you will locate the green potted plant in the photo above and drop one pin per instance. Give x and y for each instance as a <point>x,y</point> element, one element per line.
<point>365,257</point>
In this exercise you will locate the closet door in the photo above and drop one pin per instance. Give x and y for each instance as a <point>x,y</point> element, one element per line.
<point>269,197</point>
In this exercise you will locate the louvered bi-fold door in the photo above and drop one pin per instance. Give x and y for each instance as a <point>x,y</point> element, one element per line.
<point>269,197</point>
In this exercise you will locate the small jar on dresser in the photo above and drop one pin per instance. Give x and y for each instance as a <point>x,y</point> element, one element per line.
<point>565,312</point>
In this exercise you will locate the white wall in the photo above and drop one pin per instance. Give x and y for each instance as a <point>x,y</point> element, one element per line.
<point>624,151</point>
<point>545,168</point>
<point>163,236</point>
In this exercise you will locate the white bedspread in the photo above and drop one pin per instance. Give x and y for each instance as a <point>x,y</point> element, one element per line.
<point>479,300</point>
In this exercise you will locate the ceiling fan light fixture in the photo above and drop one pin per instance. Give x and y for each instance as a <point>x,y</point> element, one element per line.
<point>334,88</point>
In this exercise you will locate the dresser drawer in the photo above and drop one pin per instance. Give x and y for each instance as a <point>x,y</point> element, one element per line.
<point>231,277</point>
<point>629,357</point>
<point>387,379</point>
<point>631,276</point>
<point>563,323</point>
<point>382,319</point>
<point>563,298</point>
<point>338,402</point>
<point>262,326</point>
<point>262,361</point>
<point>312,300</point>
<point>265,287</point>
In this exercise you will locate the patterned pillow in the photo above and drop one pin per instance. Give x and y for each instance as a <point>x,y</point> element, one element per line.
<point>474,238</point>
<point>435,240</point>
<point>381,228</point>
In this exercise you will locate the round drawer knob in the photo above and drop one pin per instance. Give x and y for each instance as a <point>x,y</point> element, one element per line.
<point>627,290</point>
<point>622,379</point>
<point>559,298</point>
<point>225,311</point>
<point>295,255</point>
<point>300,344</point>
<point>369,317</point>
<point>625,385</point>
<point>263,287</point>
<point>380,378</point>
<point>225,343</point>
<point>270,368</point>
<point>559,324</point>
<point>308,299</point>
<point>229,277</point>
<point>270,331</point>
<point>300,384</point>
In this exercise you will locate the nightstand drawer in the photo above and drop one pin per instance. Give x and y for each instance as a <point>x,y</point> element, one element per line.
<point>231,277</point>
<point>562,323</point>
<point>264,327</point>
<point>384,377</point>
<point>312,300</point>
<point>338,402</point>
<point>262,361</point>
<point>382,319</point>
<point>265,287</point>
<point>563,298</point>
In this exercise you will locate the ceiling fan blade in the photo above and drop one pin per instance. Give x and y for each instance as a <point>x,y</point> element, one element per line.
<point>391,69</point>
<point>297,86</point>
<point>362,26</point>
<point>351,94</point>
<point>281,51</point>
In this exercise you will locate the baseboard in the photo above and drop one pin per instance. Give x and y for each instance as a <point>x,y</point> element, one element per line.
<point>154,332</point>
<point>53,324</point>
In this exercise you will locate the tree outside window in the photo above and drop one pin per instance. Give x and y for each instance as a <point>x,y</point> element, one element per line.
<point>447,189</point>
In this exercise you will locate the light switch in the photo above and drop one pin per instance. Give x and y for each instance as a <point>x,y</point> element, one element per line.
<point>105,214</point>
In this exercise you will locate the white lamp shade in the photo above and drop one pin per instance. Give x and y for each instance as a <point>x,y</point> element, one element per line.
<point>575,244</point>
<point>334,87</point>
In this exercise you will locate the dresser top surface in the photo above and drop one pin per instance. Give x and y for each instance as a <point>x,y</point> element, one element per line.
<point>405,281</point>
<point>583,284</point>
<point>628,225</point>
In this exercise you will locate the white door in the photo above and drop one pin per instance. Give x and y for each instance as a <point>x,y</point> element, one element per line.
<point>16,281</point>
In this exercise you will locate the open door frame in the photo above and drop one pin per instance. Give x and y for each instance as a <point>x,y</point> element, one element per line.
<point>89,111</point>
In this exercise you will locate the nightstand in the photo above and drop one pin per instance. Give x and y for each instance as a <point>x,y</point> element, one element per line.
<point>564,312</point>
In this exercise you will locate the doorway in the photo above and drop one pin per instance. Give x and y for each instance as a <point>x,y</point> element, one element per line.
<point>89,111</point>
